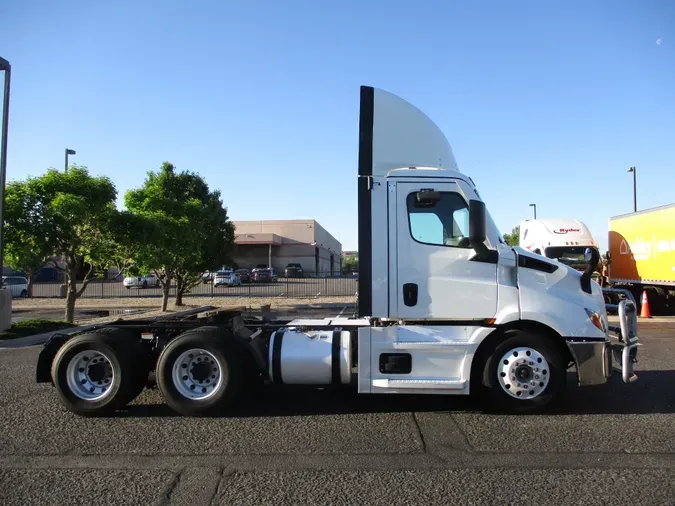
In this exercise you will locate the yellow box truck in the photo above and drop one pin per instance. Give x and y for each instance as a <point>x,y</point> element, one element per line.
<point>642,256</point>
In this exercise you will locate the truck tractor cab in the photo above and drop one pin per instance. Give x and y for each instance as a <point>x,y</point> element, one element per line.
<point>562,239</point>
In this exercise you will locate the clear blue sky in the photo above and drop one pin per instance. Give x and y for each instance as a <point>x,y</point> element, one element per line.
<point>543,102</point>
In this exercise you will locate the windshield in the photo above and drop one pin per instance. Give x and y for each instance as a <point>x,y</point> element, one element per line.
<point>570,255</point>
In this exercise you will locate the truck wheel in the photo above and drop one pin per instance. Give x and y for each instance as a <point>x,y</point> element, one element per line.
<point>96,373</point>
<point>525,373</point>
<point>145,284</point>
<point>200,372</point>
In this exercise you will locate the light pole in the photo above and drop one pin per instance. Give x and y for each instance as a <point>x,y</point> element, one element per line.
<point>69,152</point>
<point>4,65</point>
<point>634,171</point>
<point>535,210</point>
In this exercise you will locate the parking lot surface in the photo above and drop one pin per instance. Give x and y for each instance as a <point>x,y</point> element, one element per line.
<point>609,444</point>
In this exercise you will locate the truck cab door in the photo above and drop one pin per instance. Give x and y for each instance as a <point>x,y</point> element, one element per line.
<point>439,275</point>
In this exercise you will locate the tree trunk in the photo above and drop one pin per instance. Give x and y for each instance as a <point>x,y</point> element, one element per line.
<point>71,297</point>
<point>180,288</point>
<point>165,292</point>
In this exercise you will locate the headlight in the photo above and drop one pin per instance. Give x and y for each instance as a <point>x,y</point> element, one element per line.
<point>596,319</point>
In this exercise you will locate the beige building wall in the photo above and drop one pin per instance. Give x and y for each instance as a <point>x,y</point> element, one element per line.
<point>290,230</point>
<point>300,240</point>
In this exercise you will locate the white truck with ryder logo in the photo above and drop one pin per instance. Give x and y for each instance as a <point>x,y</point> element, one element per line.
<point>445,307</point>
<point>561,239</point>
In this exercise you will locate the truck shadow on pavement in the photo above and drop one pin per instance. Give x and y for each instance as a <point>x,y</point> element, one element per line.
<point>651,394</point>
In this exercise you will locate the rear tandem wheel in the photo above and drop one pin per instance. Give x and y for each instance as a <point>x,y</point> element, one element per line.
<point>99,371</point>
<point>200,372</point>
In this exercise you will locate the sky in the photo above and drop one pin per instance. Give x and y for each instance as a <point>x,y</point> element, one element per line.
<point>542,102</point>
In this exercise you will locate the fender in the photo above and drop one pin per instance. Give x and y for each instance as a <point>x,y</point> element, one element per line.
<point>46,357</point>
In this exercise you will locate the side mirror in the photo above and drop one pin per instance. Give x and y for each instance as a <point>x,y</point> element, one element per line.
<point>591,256</point>
<point>477,226</point>
<point>588,255</point>
<point>427,198</point>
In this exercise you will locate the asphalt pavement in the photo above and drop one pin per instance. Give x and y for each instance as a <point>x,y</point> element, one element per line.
<point>611,444</point>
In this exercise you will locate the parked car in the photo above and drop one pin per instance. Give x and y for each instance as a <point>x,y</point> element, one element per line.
<point>294,270</point>
<point>17,285</point>
<point>265,276</point>
<point>208,277</point>
<point>244,275</point>
<point>227,278</point>
<point>141,281</point>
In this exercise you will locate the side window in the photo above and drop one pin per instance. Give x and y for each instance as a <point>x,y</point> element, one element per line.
<point>442,223</point>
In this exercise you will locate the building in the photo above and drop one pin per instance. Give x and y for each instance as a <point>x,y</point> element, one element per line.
<point>280,242</point>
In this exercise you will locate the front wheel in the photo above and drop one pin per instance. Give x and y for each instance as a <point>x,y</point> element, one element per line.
<point>525,373</point>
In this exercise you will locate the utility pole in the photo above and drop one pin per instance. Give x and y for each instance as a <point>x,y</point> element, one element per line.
<point>634,171</point>
<point>7,68</point>
<point>68,152</point>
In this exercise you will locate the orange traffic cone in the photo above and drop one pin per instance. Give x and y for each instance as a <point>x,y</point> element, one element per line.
<point>645,313</point>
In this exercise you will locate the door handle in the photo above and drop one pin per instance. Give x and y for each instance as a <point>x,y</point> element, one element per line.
<point>410,294</point>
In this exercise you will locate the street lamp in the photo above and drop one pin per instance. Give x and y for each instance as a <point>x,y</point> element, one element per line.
<point>632,169</point>
<point>69,152</point>
<point>535,210</point>
<point>7,68</point>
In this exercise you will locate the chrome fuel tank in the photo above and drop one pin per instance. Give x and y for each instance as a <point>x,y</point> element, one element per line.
<point>321,357</point>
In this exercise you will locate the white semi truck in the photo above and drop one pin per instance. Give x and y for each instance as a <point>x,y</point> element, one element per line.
<point>445,307</point>
<point>561,239</point>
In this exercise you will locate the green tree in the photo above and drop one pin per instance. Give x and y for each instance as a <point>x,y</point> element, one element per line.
<point>29,238</point>
<point>72,214</point>
<point>191,232</point>
<point>513,239</point>
<point>350,263</point>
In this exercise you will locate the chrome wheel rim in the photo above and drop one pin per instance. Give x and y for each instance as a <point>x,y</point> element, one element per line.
<point>90,375</point>
<point>197,374</point>
<point>523,373</point>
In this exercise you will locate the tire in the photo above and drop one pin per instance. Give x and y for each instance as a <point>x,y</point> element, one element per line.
<point>145,284</point>
<point>196,348</point>
<point>116,381</point>
<point>547,370</point>
<point>24,293</point>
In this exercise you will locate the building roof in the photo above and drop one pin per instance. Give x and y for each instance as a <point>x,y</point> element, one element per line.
<point>261,238</point>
